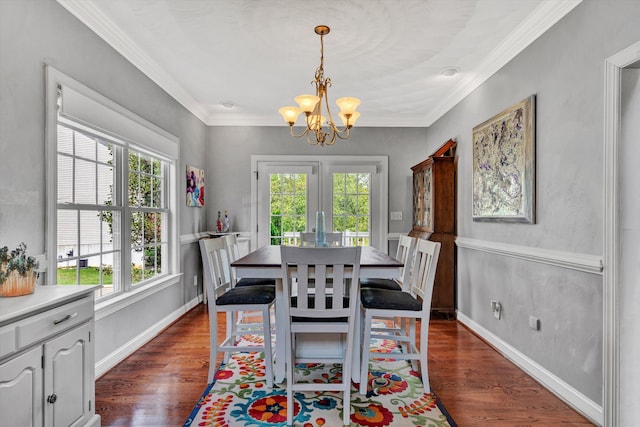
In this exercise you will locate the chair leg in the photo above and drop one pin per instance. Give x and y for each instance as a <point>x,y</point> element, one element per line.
<point>213,345</point>
<point>268,353</point>
<point>290,369</point>
<point>424,351</point>
<point>366,353</point>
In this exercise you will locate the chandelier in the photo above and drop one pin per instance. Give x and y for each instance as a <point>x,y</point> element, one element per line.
<point>318,129</point>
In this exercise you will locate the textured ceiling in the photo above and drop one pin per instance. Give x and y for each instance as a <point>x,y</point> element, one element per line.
<point>259,54</point>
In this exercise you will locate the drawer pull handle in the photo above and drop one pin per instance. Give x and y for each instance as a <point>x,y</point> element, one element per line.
<point>65,318</point>
<point>52,398</point>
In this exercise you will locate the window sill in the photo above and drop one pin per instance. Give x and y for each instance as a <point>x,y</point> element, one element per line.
<point>115,304</point>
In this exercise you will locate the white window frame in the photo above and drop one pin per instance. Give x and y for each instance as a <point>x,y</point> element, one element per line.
<point>378,166</point>
<point>84,106</point>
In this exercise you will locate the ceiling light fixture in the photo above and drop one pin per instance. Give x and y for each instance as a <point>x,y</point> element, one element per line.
<point>318,129</point>
<point>450,72</point>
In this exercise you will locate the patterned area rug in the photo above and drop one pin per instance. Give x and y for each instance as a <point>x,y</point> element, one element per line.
<point>239,397</point>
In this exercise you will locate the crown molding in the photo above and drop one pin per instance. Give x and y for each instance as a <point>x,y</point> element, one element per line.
<point>539,21</point>
<point>107,30</point>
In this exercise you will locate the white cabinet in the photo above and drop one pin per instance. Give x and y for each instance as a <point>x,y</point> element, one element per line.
<point>21,390</point>
<point>47,358</point>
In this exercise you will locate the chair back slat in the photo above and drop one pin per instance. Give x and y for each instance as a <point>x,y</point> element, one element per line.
<point>427,253</point>
<point>406,253</point>
<point>321,273</point>
<point>214,259</point>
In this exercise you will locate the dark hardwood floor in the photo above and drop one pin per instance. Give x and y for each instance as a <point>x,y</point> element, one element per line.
<point>159,384</point>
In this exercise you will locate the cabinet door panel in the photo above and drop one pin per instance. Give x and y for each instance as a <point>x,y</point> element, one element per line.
<point>21,390</point>
<point>67,359</point>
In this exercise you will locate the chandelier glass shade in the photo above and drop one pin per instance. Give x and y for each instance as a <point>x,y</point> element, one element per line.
<point>318,129</point>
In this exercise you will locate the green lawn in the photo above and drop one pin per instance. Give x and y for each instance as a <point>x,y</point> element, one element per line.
<point>88,276</point>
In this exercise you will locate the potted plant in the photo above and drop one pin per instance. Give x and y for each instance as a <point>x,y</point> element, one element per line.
<point>18,272</point>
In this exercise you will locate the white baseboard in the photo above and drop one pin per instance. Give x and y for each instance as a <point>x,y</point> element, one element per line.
<point>564,391</point>
<point>117,356</point>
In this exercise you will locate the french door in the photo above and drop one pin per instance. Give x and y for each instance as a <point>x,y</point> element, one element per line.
<point>351,191</point>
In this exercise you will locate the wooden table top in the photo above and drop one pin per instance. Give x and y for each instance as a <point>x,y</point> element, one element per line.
<point>269,256</point>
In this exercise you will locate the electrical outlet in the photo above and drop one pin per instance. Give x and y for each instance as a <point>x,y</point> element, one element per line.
<point>496,307</point>
<point>195,280</point>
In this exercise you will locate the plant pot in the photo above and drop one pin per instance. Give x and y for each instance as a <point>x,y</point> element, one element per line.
<point>18,285</point>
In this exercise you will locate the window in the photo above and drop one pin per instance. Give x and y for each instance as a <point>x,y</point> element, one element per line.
<point>112,211</point>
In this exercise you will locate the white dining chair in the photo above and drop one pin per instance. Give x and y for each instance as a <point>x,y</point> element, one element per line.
<point>414,304</point>
<point>406,253</point>
<point>323,303</point>
<point>233,253</point>
<point>224,297</point>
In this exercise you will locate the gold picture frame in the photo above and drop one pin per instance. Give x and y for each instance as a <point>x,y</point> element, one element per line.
<point>504,165</point>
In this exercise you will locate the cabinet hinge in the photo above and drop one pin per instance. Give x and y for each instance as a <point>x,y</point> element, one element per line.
<point>89,336</point>
<point>256,172</point>
<point>42,361</point>
<point>89,406</point>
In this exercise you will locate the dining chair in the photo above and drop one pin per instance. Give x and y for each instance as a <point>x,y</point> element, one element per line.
<point>405,253</point>
<point>413,304</point>
<point>224,297</point>
<point>318,299</point>
<point>233,253</point>
<point>309,239</point>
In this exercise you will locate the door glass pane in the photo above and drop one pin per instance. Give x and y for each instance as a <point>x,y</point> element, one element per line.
<point>352,207</point>
<point>288,207</point>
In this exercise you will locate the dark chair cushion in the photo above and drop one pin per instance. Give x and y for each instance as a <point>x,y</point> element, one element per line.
<point>385,299</point>
<point>389,284</point>
<point>312,304</point>
<point>246,281</point>
<point>248,295</point>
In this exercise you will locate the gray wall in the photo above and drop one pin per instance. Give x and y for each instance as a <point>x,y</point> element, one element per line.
<point>229,160</point>
<point>565,69</point>
<point>34,31</point>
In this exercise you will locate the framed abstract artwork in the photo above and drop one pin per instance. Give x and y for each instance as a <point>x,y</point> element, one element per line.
<point>195,187</point>
<point>504,165</point>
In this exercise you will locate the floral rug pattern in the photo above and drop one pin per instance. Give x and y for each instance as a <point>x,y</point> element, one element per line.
<point>395,397</point>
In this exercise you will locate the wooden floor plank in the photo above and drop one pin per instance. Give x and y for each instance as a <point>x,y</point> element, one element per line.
<point>159,384</point>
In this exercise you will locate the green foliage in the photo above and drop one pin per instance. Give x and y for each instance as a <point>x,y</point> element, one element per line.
<point>16,260</point>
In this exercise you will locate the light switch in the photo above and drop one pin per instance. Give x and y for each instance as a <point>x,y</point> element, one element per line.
<point>396,216</point>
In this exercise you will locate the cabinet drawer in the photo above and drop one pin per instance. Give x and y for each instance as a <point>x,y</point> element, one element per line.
<point>53,321</point>
<point>7,340</point>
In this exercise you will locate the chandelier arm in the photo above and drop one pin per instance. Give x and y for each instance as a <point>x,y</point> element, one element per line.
<point>306,131</point>
<point>344,134</point>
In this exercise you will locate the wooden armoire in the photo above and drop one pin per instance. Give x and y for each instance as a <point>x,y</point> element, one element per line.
<point>434,218</point>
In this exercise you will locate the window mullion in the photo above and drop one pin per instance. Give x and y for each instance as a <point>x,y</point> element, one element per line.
<point>125,226</point>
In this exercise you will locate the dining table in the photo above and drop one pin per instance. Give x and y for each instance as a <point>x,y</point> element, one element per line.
<point>265,262</point>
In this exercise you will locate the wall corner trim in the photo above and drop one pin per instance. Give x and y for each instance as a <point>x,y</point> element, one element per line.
<point>576,261</point>
<point>564,391</point>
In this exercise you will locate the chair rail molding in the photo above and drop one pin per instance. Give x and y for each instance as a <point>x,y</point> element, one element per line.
<point>575,261</point>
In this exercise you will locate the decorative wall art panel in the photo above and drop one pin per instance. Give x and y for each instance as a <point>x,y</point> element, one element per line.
<point>504,165</point>
<point>195,186</point>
